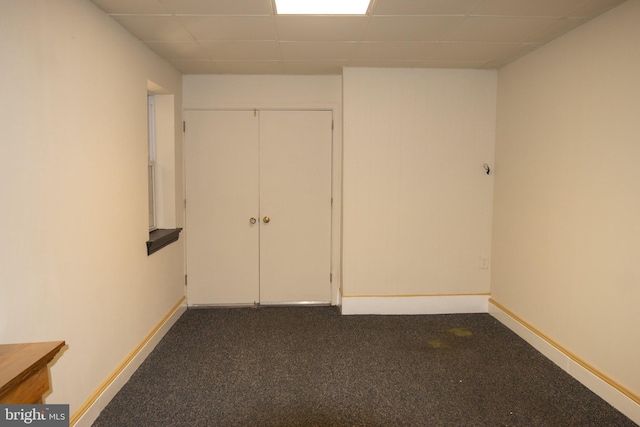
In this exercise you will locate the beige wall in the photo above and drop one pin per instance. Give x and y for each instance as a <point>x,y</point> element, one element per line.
<point>417,201</point>
<point>223,92</point>
<point>73,190</point>
<point>566,239</point>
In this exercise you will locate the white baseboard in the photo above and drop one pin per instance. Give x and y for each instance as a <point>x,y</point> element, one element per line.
<point>89,412</point>
<point>615,396</point>
<point>419,304</point>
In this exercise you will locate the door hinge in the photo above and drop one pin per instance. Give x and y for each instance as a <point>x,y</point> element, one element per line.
<point>185,280</point>
<point>255,112</point>
<point>330,277</point>
<point>332,202</point>
<point>331,124</point>
<point>184,126</point>
<point>185,203</point>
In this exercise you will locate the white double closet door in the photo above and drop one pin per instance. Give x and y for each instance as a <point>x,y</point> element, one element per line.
<point>258,187</point>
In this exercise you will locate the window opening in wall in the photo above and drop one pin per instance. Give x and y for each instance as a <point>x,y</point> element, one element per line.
<point>152,164</point>
<point>161,168</point>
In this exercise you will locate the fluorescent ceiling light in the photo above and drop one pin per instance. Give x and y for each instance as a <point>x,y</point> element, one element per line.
<point>322,7</point>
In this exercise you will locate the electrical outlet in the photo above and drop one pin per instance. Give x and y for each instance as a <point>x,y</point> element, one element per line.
<point>484,262</point>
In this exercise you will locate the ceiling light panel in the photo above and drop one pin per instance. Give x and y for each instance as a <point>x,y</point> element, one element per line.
<point>322,7</point>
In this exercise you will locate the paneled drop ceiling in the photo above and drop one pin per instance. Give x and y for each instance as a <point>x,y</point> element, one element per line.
<point>246,37</point>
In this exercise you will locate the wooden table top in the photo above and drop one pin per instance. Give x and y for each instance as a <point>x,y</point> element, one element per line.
<point>18,361</point>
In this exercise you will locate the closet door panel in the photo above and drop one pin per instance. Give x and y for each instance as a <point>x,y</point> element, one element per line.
<point>222,189</point>
<point>295,196</point>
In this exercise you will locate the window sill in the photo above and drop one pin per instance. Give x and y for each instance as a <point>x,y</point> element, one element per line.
<point>158,239</point>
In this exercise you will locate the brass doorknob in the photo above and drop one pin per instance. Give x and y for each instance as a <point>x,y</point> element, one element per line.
<point>252,220</point>
<point>266,219</point>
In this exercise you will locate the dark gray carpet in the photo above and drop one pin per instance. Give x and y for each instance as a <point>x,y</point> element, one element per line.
<point>310,366</point>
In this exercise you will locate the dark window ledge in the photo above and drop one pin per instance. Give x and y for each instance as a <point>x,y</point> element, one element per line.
<point>158,239</point>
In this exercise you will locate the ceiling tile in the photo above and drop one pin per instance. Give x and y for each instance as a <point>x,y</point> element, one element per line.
<point>548,8</point>
<point>228,67</point>
<point>318,51</point>
<point>128,7</point>
<point>178,50</point>
<point>313,67</point>
<point>595,7</point>
<point>376,51</point>
<point>495,29</point>
<point>154,28</point>
<point>248,67</point>
<point>194,66</point>
<point>454,64</point>
<point>416,64</point>
<point>481,52</point>
<point>321,28</point>
<point>242,50</point>
<point>365,63</point>
<point>423,7</point>
<point>218,7</point>
<point>556,29</point>
<point>230,27</point>
<point>410,28</point>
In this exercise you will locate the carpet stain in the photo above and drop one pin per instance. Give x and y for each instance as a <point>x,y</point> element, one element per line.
<point>448,340</point>
<point>438,344</point>
<point>461,332</point>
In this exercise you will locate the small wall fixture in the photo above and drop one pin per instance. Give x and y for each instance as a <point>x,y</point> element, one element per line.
<point>487,168</point>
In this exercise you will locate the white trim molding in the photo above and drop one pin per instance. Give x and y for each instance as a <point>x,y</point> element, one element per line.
<point>616,395</point>
<point>415,304</point>
<point>88,413</point>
